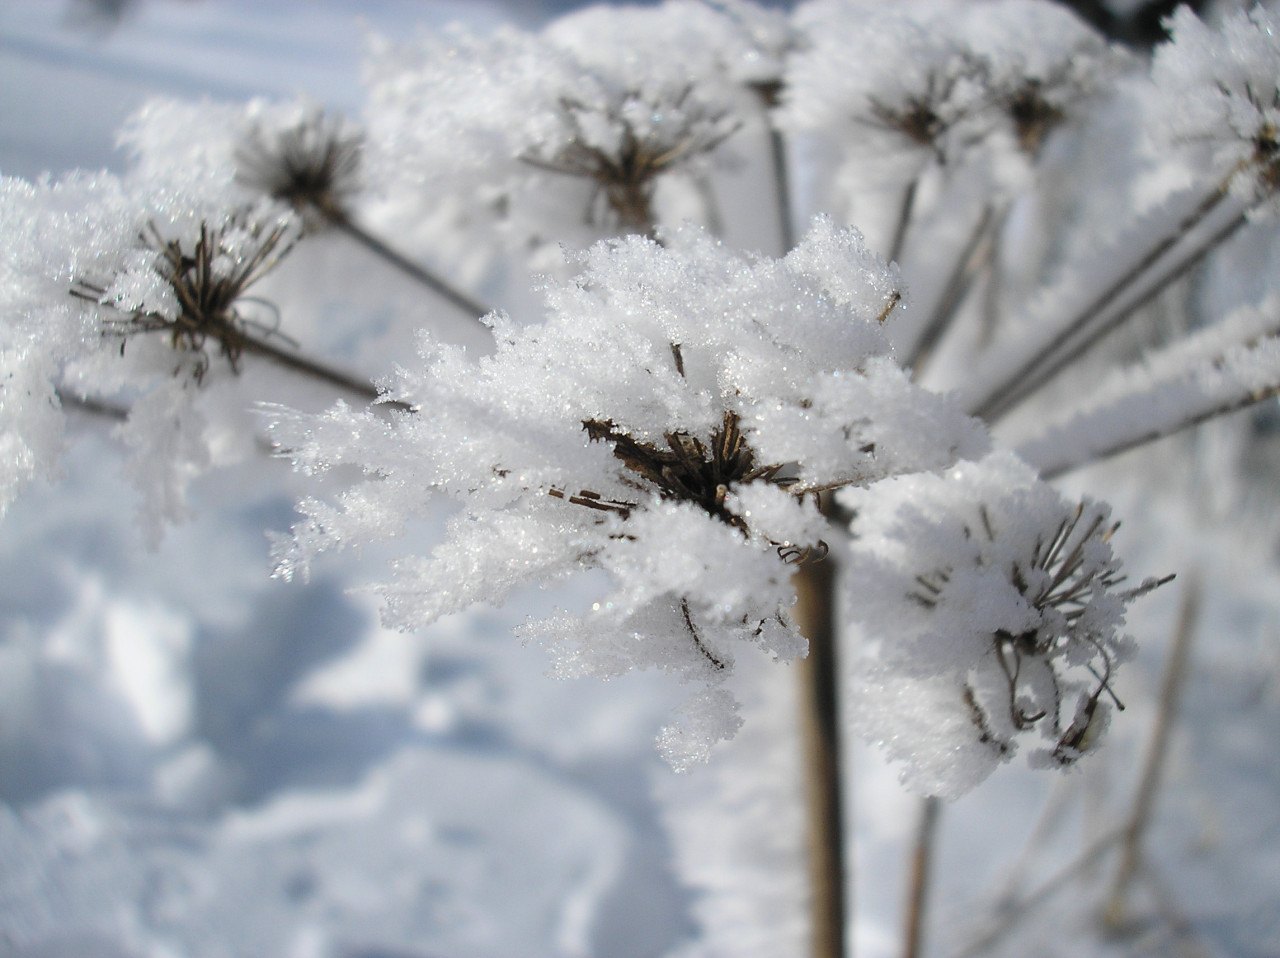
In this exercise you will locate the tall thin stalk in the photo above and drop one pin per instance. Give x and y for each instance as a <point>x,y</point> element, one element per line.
<point>815,614</point>
<point>819,704</point>
<point>1066,358</point>
<point>918,882</point>
<point>958,284</point>
<point>1175,673</point>
<point>414,271</point>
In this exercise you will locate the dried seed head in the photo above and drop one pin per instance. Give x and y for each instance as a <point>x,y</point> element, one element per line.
<point>1069,583</point>
<point>313,165</point>
<point>207,276</point>
<point>625,170</point>
<point>1033,115</point>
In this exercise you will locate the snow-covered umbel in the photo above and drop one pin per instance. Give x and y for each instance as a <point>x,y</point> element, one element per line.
<point>605,123</point>
<point>941,76</point>
<point>668,423</point>
<point>116,290</point>
<point>992,609</point>
<point>1219,89</point>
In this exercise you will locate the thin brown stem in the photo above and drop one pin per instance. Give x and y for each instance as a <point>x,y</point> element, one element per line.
<point>93,407</point>
<point>782,189</point>
<point>899,241</point>
<point>918,883</point>
<point>414,271</point>
<point>829,883</point>
<point>309,368</point>
<point>1175,673</point>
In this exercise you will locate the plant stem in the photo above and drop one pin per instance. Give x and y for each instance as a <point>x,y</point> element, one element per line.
<point>953,294</point>
<point>918,886</point>
<point>1153,766</point>
<point>92,407</point>
<point>1112,322</point>
<point>1051,470</point>
<point>815,612</point>
<point>782,188</point>
<point>1004,392</point>
<point>313,370</point>
<point>904,218</point>
<point>414,271</point>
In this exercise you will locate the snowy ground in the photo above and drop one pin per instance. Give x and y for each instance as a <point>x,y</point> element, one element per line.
<point>196,760</point>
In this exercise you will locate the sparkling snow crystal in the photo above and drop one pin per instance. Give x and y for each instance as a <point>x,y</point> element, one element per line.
<point>668,424</point>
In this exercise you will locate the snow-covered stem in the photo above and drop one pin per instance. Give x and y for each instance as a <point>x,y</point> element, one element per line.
<point>976,250</point>
<point>1175,675</point>
<point>1225,407</point>
<point>919,877</point>
<point>1220,371</point>
<point>1141,296</point>
<point>1024,367</point>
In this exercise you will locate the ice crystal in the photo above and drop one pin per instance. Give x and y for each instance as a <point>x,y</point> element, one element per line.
<point>668,423</point>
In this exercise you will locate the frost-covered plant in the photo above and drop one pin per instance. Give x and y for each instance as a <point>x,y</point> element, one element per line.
<point>309,159</point>
<point>1217,89</point>
<point>941,79</point>
<point>670,422</point>
<point>606,122</point>
<point>672,429</point>
<point>193,289</point>
<point>992,608</point>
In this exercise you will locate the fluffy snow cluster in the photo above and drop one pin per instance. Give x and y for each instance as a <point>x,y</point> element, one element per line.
<point>992,610</point>
<point>668,424</point>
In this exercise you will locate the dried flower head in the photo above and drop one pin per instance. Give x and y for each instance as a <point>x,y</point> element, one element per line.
<point>311,162</point>
<point>912,78</point>
<point>583,131</point>
<point>1002,603</point>
<point>193,288</point>
<point>623,143</point>
<point>1039,63</point>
